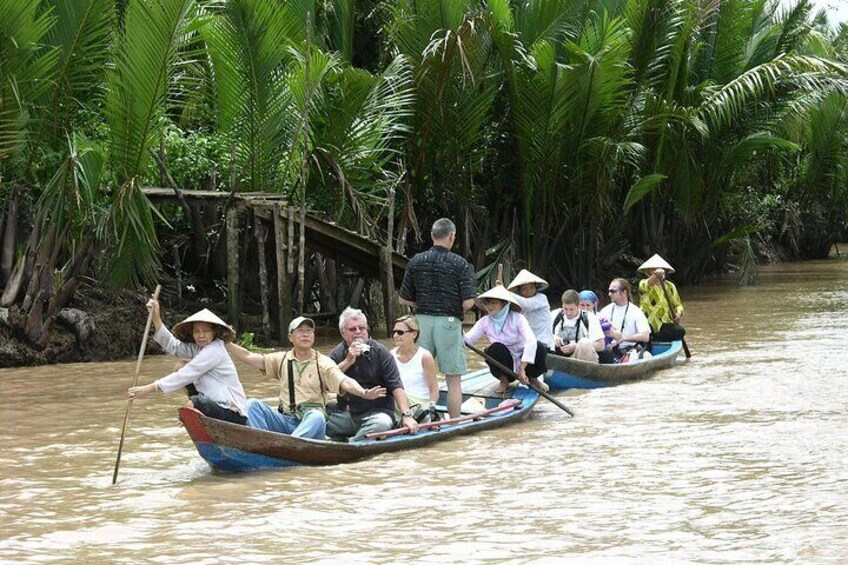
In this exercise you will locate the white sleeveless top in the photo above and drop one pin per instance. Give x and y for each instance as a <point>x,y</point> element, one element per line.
<point>412,374</point>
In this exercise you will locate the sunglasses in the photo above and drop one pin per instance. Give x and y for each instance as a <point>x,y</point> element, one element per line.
<point>614,290</point>
<point>402,332</point>
<point>354,329</point>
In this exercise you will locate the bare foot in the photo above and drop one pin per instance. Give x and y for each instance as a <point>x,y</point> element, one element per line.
<point>502,387</point>
<point>540,385</point>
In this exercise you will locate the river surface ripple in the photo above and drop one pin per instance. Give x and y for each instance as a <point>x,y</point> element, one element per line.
<point>738,455</point>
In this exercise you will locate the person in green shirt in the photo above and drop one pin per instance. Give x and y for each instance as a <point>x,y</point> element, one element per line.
<point>660,300</point>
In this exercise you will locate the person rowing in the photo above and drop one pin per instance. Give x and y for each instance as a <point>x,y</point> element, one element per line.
<point>513,343</point>
<point>200,339</point>
<point>660,300</point>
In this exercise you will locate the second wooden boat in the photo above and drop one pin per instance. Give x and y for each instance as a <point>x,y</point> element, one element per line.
<point>564,372</point>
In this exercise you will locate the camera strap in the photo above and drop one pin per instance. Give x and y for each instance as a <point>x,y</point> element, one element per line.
<point>292,403</point>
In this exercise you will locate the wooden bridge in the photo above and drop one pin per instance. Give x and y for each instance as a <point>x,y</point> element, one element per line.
<point>271,212</point>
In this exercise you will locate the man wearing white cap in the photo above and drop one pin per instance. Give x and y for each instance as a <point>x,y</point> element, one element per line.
<point>660,300</point>
<point>306,377</point>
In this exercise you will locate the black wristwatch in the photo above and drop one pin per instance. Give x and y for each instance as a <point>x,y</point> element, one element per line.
<point>407,413</point>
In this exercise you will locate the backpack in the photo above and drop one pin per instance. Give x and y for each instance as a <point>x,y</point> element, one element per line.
<point>581,318</point>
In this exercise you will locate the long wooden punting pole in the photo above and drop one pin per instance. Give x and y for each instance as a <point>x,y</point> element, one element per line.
<point>512,374</point>
<point>135,383</point>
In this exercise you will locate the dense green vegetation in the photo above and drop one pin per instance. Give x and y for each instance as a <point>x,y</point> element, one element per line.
<point>569,135</point>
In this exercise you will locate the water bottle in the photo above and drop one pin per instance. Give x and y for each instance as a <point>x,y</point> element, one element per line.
<point>606,326</point>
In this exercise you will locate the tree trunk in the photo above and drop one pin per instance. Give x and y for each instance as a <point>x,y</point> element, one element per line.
<point>284,293</point>
<point>261,238</point>
<point>7,255</point>
<point>178,271</point>
<point>356,295</point>
<point>386,267</point>
<point>62,297</point>
<point>301,260</point>
<point>233,187</point>
<point>41,302</point>
<point>325,289</point>
<point>233,267</point>
<point>23,266</point>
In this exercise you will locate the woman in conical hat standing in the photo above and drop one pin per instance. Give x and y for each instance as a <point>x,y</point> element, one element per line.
<point>200,339</point>
<point>513,343</point>
<point>659,298</point>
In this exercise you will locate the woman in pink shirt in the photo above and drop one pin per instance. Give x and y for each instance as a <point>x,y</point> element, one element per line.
<point>513,343</point>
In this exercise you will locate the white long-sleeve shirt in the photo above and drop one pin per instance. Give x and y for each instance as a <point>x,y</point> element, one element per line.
<point>537,310</point>
<point>211,370</point>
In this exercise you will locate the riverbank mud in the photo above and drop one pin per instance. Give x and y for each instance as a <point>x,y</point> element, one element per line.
<point>114,324</point>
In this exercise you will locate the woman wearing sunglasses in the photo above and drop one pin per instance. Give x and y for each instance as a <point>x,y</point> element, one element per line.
<point>629,324</point>
<point>416,366</point>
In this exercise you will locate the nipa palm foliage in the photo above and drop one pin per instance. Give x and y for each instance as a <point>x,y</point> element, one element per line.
<point>93,200</point>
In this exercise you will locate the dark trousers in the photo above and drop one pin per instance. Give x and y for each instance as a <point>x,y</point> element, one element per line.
<point>668,332</point>
<point>501,354</point>
<point>215,410</point>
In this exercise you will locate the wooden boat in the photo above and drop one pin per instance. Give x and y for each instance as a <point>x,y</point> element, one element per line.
<point>232,447</point>
<point>564,372</point>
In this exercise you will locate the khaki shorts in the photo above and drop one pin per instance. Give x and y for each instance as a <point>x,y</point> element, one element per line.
<point>442,336</point>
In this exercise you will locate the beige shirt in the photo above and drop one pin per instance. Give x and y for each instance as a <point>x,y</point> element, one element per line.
<point>307,385</point>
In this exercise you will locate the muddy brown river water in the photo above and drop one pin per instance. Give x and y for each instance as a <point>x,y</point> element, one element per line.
<point>738,455</point>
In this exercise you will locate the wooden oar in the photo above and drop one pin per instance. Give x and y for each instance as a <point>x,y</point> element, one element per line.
<point>135,383</point>
<point>511,404</point>
<point>512,374</point>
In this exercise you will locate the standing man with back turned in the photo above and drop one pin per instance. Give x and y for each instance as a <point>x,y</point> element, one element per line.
<point>440,286</point>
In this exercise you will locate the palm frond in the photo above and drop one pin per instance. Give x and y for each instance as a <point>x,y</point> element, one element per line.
<point>145,61</point>
<point>798,71</point>
<point>249,48</point>
<point>25,71</point>
<point>82,36</point>
<point>342,22</point>
<point>137,86</point>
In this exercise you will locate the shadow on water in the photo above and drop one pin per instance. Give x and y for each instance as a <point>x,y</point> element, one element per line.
<point>737,455</point>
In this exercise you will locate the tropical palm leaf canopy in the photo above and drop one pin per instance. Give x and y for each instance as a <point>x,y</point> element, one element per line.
<point>568,136</point>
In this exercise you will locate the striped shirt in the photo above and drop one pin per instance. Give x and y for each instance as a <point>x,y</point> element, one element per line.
<point>438,281</point>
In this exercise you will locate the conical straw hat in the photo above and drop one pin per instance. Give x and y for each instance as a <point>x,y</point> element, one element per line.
<point>183,330</point>
<point>501,293</point>
<point>526,277</point>
<point>655,262</point>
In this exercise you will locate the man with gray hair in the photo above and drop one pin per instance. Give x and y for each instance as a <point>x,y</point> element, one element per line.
<point>367,361</point>
<point>440,286</point>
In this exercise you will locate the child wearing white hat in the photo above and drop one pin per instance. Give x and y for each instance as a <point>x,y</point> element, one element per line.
<point>526,288</point>
<point>200,339</point>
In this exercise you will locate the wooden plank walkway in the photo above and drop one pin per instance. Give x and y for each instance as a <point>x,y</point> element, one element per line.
<point>355,250</point>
